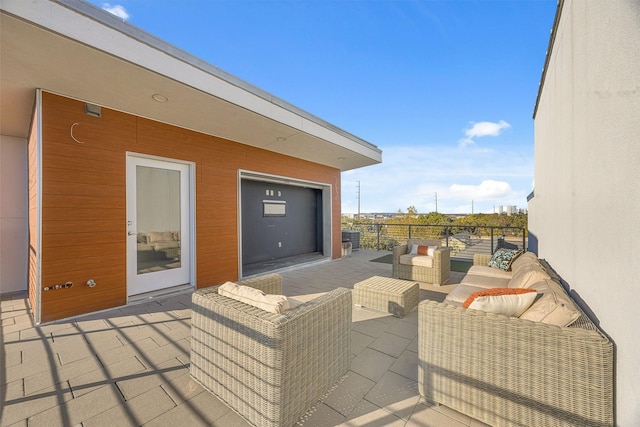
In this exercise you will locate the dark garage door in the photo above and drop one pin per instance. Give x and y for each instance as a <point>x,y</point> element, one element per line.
<point>279,221</point>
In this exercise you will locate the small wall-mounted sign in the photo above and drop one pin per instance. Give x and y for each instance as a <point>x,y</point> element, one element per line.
<point>274,208</point>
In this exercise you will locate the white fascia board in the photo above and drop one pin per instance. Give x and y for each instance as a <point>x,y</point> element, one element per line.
<point>322,132</point>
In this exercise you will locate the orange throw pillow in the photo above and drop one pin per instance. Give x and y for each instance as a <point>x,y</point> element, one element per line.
<point>423,250</point>
<point>493,292</point>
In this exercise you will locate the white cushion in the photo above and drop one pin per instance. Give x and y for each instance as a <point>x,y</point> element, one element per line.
<point>502,301</point>
<point>254,297</point>
<point>417,260</point>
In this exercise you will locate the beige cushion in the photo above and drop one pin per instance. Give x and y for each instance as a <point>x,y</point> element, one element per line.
<point>555,307</point>
<point>524,259</point>
<point>254,297</point>
<point>159,236</point>
<point>485,281</point>
<point>507,301</point>
<point>526,275</point>
<point>158,246</point>
<point>418,260</point>
<point>484,270</point>
<point>460,293</point>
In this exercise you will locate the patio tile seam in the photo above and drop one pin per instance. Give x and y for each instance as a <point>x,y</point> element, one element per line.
<point>34,395</point>
<point>403,376</point>
<point>387,411</point>
<point>462,420</point>
<point>368,390</point>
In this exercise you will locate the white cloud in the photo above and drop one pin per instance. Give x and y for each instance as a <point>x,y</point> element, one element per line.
<point>486,190</point>
<point>480,129</point>
<point>412,175</point>
<point>487,129</point>
<point>117,10</point>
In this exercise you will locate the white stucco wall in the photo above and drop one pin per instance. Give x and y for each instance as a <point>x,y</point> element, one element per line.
<point>586,211</point>
<point>13,214</point>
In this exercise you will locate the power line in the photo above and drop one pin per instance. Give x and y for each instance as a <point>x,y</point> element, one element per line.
<point>358,195</point>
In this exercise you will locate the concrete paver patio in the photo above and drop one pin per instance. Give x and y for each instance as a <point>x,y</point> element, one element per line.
<point>130,365</point>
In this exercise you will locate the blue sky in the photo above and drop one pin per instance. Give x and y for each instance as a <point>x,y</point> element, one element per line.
<point>446,89</point>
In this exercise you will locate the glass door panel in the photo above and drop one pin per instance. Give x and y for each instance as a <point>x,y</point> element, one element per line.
<point>158,219</point>
<point>158,224</point>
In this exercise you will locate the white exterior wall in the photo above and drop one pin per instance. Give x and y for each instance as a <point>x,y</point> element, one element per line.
<point>14,223</point>
<point>585,213</point>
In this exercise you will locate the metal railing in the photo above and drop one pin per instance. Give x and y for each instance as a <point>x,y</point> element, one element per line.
<point>384,236</point>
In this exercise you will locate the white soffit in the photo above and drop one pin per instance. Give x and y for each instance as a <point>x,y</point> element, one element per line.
<point>74,49</point>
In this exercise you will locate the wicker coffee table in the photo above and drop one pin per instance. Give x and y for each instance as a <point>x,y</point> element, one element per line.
<point>394,296</point>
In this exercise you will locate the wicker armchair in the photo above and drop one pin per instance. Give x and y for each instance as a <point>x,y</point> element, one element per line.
<point>270,368</point>
<point>438,273</point>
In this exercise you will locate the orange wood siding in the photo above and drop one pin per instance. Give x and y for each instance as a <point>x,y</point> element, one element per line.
<point>83,207</point>
<point>84,200</point>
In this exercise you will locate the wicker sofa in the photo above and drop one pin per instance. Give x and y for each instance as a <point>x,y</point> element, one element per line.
<point>270,368</point>
<point>509,371</point>
<point>422,268</point>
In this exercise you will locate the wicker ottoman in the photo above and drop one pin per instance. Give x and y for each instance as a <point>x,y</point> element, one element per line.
<point>394,296</point>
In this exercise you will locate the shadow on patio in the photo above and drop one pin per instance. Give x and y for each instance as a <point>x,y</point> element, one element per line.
<point>130,365</point>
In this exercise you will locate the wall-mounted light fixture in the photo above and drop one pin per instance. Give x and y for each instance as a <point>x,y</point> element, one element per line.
<point>92,110</point>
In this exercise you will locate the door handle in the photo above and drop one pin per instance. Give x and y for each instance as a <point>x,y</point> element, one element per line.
<point>131,233</point>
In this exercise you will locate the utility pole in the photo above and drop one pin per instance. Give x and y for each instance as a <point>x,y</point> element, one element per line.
<point>358,194</point>
<point>436,202</point>
<point>471,207</point>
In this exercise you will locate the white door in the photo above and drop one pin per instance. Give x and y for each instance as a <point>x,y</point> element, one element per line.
<point>158,224</point>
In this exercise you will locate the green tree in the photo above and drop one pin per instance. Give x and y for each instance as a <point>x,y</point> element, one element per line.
<point>435,218</point>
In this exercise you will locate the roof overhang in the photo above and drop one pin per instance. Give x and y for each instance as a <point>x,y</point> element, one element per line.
<point>74,49</point>
<point>552,40</point>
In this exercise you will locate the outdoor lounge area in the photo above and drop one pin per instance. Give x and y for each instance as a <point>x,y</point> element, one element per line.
<point>357,347</point>
<point>130,365</point>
